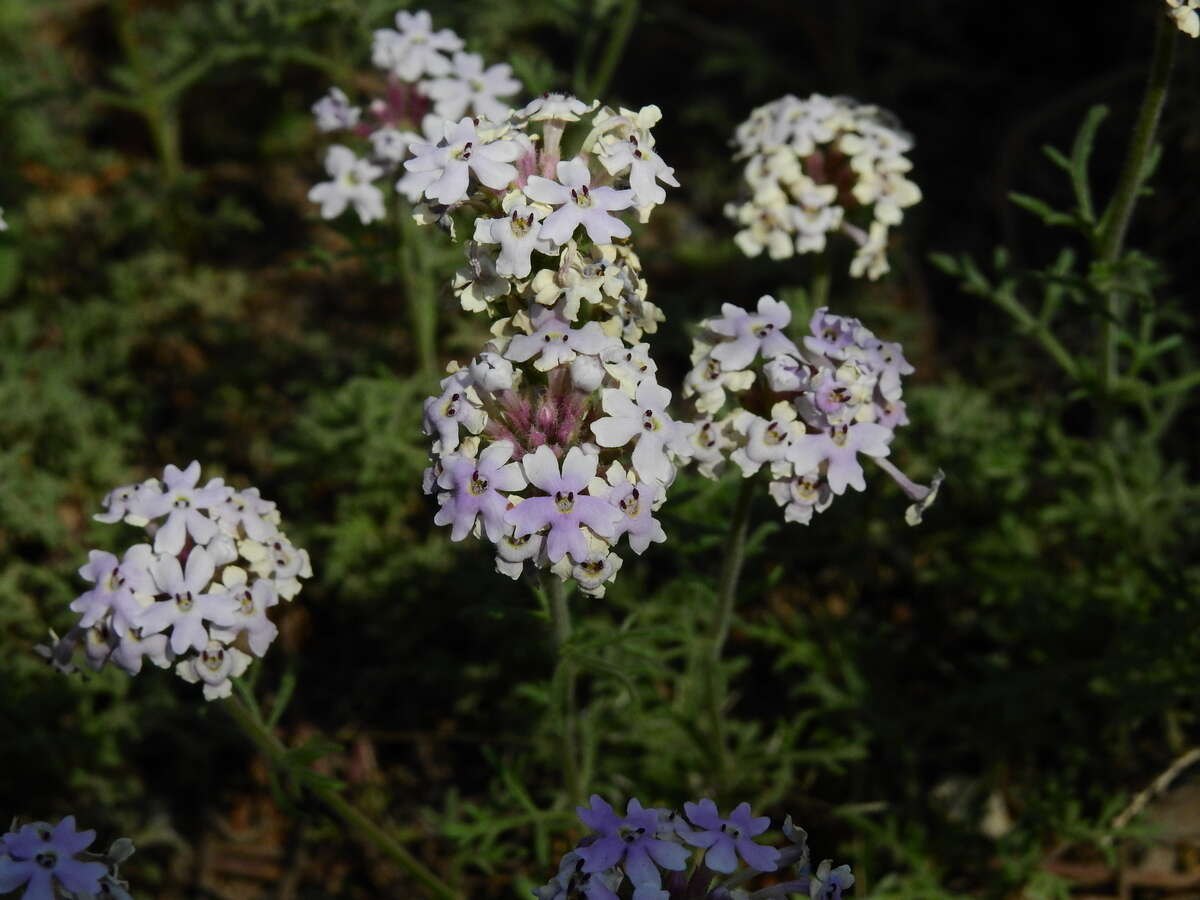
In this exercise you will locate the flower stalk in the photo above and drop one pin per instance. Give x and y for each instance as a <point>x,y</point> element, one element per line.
<point>565,676</point>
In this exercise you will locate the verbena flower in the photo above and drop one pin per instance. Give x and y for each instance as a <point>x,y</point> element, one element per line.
<point>44,860</point>
<point>808,416</point>
<point>351,185</point>
<point>644,854</point>
<point>821,166</point>
<point>199,589</point>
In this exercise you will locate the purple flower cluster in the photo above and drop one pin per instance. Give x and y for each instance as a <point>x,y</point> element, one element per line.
<point>198,590</point>
<point>50,861</point>
<point>806,413</point>
<point>652,850</point>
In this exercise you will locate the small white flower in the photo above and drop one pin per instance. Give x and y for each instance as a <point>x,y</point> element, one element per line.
<point>446,167</point>
<point>334,112</point>
<point>1184,15</point>
<point>579,204</point>
<point>470,88</point>
<point>351,185</point>
<point>415,49</point>
<point>562,107</point>
<point>214,666</point>
<point>518,234</point>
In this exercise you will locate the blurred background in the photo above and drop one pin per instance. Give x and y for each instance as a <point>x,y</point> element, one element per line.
<point>962,709</point>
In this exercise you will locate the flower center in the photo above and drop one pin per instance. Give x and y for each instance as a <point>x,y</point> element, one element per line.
<point>520,226</point>
<point>184,601</point>
<point>47,859</point>
<point>182,501</point>
<point>582,196</point>
<point>478,486</point>
<point>761,331</point>
<point>214,659</point>
<point>839,435</point>
<point>247,602</point>
<point>564,501</point>
<point>631,504</point>
<point>650,421</point>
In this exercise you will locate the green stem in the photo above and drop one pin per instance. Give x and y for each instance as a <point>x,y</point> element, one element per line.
<point>727,589</point>
<point>1120,208</point>
<point>1039,329</point>
<point>618,37</point>
<point>271,747</point>
<point>560,615</point>
<point>818,291</point>
<point>420,293</point>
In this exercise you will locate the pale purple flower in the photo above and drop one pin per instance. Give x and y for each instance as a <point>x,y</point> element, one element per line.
<point>473,489</point>
<point>752,333</point>
<point>334,112</point>
<point>786,374</point>
<point>839,446</point>
<point>828,883</point>
<point>182,502</point>
<point>518,234</point>
<point>457,405</point>
<point>709,445</point>
<point>831,334</point>
<point>630,366</point>
<point>512,551</point>
<point>471,88</point>
<point>415,50</point>
<point>636,503</point>
<point>351,186</point>
<point>129,502</point>
<point>556,343</point>
<point>801,496</point>
<point>571,882</point>
<point>727,838</point>
<point>892,414</point>
<point>644,419</point>
<point>214,666</point>
<point>249,605</point>
<point>596,569</point>
<point>579,204</point>
<point>132,648</point>
<point>646,168</point>
<point>631,841</point>
<point>391,144</point>
<point>551,105</point>
<point>188,607</point>
<point>38,856</point>
<point>565,507</point>
<point>888,360</point>
<point>245,510</point>
<point>115,585</point>
<point>491,372</point>
<point>448,164</point>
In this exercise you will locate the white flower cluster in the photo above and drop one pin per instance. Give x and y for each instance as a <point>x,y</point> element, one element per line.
<point>429,80</point>
<point>819,166</point>
<point>806,414</point>
<point>1184,14</point>
<point>3,224</point>
<point>198,591</point>
<point>556,440</point>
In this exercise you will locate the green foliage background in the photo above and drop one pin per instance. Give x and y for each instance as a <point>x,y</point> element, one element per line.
<point>167,293</point>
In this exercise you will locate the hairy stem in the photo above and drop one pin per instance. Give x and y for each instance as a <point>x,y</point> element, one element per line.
<point>1120,208</point>
<point>272,748</point>
<point>565,675</point>
<point>731,570</point>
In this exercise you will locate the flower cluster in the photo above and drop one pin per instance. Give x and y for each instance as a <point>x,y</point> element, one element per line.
<point>50,861</point>
<point>198,590</point>
<point>1184,14</point>
<point>555,441</point>
<point>806,414</point>
<point>555,445</point>
<point>650,850</point>
<point>3,224</point>
<point>429,80</point>
<point>819,166</point>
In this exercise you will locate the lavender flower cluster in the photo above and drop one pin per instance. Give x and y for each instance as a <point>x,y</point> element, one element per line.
<point>200,589</point>
<point>650,850</point>
<point>429,80</point>
<point>807,414</point>
<point>50,861</point>
<point>819,166</point>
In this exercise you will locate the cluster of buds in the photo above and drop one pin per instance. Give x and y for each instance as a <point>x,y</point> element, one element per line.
<point>429,81</point>
<point>819,166</point>
<point>806,414</point>
<point>1185,16</point>
<point>51,861</point>
<point>198,591</point>
<point>651,849</point>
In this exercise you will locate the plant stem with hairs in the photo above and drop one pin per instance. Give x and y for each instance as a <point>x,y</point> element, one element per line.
<point>565,677</point>
<point>1117,216</point>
